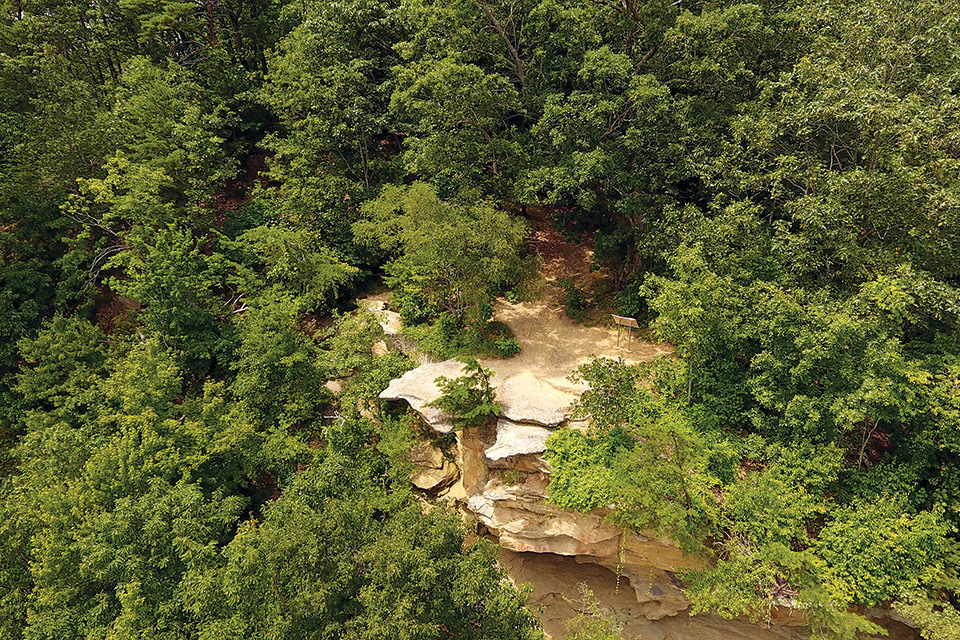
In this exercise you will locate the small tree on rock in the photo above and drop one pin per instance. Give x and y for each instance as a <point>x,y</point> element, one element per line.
<point>470,399</point>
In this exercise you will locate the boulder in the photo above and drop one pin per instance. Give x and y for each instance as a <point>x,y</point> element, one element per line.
<point>429,479</point>
<point>389,320</point>
<point>423,454</point>
<point>418,387</point>
<point>517,439</point>
<point>524,397</point>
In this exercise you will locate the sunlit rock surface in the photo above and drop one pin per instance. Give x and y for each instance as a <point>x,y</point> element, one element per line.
<point>524,397</point>
<point>514,439</point>
<point>418,387</point>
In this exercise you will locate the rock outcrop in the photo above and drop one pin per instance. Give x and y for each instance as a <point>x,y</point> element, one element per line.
<point>523,398</point>
<point>500,478</point>
<point>526,398</point>
<point>515,439</point>
<point>418,387</point>
<point>522,521</point>
<point>433,470</point>
<point>497,476</point>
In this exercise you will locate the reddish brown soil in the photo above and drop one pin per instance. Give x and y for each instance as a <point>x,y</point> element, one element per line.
<point>561,259</point>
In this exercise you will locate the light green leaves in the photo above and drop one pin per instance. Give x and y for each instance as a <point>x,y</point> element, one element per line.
<point>445,256</point>
<point>875,553</point>
<point>469,400</point>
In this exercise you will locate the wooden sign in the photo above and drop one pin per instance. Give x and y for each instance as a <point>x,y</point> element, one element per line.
<point>629,323</point>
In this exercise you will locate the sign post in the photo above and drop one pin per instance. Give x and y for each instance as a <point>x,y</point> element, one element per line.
<point>629,323</point>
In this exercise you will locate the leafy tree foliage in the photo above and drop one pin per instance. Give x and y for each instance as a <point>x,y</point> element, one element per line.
<point>773,185</point>
<point>645,459</point>
<point>298,262</point>
<point>445,257</point>
<point>469,400</point>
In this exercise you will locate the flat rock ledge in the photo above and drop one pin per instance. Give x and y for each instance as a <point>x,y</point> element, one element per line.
<point>418,387</point>
<point>523,397</point>
<point>515,439</point>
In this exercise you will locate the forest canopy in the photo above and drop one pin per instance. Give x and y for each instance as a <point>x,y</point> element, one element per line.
<point>190,189</point>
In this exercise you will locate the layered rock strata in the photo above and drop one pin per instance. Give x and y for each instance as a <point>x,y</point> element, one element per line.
<point>497,475</point>
<point>502,482</point>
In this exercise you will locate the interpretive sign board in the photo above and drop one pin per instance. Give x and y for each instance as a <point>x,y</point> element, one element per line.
<point>629,323</point>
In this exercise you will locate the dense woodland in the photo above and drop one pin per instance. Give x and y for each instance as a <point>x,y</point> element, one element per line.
<point>189,188</point>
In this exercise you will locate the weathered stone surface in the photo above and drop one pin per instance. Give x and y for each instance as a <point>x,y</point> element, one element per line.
<point>428,479</point>
<point>556,598</point>
<point>454,494</point>
<point>418,387</point>
<point>517,439</point>
<point>524,522</point>
<point>524,397</point>
<point>423,454</point>
<point>474,471</point>
<point>530,463</point>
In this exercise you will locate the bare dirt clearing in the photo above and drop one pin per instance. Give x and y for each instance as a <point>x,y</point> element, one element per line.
<point>553,345</point>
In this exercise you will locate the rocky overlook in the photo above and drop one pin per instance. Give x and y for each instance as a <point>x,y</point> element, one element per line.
<point>497,476</point>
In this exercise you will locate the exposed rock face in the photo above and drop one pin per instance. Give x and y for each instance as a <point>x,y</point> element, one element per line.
<point>499,478</point>
<point>555,581</point>
<point>524,522</point>
<point>433,470</point>
<point>502,480</point>
<point>525,398</point>
<point>430,479</point>
<point>514,439</point>
<point>423,454</point>
<point>418,387</point>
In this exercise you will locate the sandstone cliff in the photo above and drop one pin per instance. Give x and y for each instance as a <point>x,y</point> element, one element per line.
<point>497,476</point>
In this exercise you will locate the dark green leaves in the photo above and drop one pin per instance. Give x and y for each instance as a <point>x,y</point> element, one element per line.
<point>469,400</point>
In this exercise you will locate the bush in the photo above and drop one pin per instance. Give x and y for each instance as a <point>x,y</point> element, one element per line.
<point>445,337</point>
<point>469,399</point>
<point>574,300</point>
<point>508,347</point>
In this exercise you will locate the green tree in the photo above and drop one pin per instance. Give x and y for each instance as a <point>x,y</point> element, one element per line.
<point>338,557</point>
<point>169,273</point>
<point>445,257</point>
<point>279,375</point>
<point>469,400</point>
<point>875,553</point>
<point>298,261</point>
<point>329,82</point>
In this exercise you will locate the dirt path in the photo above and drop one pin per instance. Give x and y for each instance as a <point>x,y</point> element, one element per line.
<point>553,345</point>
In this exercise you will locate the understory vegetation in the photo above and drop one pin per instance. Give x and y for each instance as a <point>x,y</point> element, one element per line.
<point>193,192</point>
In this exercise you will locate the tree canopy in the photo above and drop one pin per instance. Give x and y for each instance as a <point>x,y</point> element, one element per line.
<point>192,193</point>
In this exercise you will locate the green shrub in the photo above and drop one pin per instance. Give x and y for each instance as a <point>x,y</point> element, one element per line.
<point>574,300</point>
<point>582,477</point>
<point>469,399</point>
<point>875,552</point>
<point>508,347</point>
